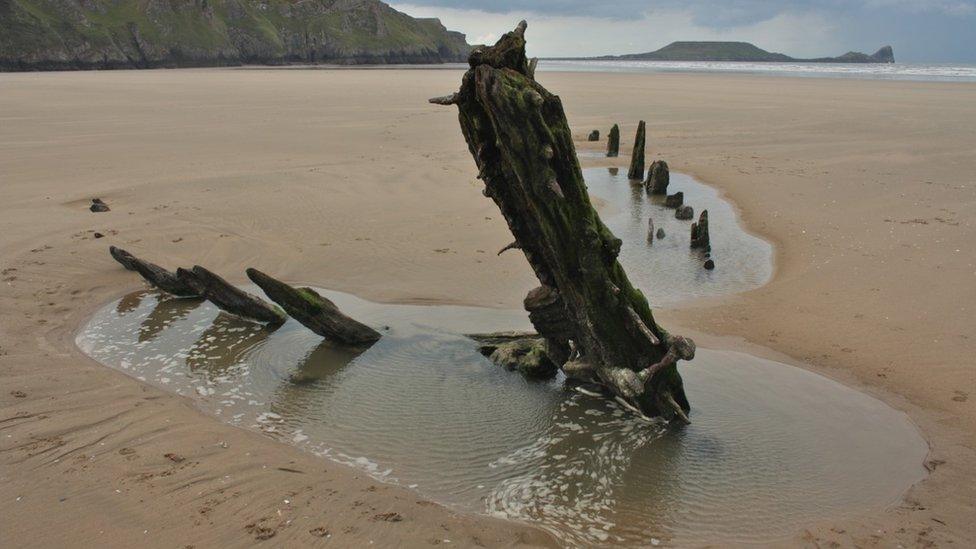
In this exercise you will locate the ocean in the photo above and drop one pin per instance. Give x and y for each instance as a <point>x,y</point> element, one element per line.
<point>890,71</point>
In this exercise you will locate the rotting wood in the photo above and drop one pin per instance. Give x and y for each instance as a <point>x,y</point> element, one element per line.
<point>159,277</point>
<point>700,238</point>
<point>658,178</point>
<point>517,132</point>
<point>315,312</point>
<point>636,172</point>
<point>613,142</point>
<point>230,298</point>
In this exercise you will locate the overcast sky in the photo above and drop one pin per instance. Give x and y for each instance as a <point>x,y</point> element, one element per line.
<point>919,30</point>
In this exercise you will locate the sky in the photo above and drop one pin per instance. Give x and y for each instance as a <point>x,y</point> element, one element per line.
<point>919,30</point>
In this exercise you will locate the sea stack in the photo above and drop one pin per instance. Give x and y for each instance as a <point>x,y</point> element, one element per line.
<point>684,213</point>
<point>658,178</point>
<point>613,142</point>
<point>637,159</point>
<point>594,136</point>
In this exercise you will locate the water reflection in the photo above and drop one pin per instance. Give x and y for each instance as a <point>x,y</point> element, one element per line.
<point>130,302</point>
<point>224,344</point>
<point>165,312</point>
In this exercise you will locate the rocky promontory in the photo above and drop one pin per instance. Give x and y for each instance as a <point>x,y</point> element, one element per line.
<point>107,34</point>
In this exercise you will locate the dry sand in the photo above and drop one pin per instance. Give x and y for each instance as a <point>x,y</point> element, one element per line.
<point>350,180</point>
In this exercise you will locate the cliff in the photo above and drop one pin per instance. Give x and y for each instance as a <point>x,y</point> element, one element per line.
<point>745,52</point>
<point>104,34</point>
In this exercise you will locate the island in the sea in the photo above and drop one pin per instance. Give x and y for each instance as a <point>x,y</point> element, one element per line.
<point>107,34</point>
<point>743,52</point>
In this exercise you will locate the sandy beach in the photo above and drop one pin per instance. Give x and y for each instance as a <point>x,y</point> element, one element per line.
<point>350,180</point>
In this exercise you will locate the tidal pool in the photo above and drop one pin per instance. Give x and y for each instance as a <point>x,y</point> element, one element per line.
<point>771,447</point>
<point>668,270</point>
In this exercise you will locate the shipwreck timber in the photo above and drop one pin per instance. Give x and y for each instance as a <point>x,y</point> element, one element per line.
<point>637,157</point>
<point>613,142</point>
<point>595,325</point>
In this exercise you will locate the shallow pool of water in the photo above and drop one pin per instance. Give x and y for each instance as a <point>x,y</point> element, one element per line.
<point>668,270</point>
<point>771,446</point>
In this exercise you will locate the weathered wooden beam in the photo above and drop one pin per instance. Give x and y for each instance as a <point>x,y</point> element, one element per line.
<point>517,132</point>
<point>675,200</point>
<point>636,172</point>
<point>700,238</point>
<point>658,178</point>
<point>315,312</point>
<point>613,142</point>
<point>230,298</point>
<point>159,277</point>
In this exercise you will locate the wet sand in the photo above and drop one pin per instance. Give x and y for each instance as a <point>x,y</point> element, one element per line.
<point>350,180</point>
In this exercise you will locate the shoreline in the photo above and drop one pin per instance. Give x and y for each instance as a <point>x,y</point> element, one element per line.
<point>690,132</point>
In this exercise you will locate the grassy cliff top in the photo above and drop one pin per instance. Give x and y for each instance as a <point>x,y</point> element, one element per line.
<point>145,33</point>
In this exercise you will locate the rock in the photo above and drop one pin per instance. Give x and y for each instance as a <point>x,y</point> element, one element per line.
<point>613,171</point>
<point>98,206</point>
<point>684,213</point>
<point>660,233</point>
<point>98,235</point>
<point>658,178</point>
<point>613,142</point>
<point>650,229</point>
<point>709,264</point>
<point>315,312</point>
<point>637,158</point>
<point>159,277</point>
<point>699,233</point>
<point>675,200</point>
<point>594,136</point>
<point>230,298</point>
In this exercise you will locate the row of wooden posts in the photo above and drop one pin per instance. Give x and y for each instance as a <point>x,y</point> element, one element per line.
<point>656,183</point>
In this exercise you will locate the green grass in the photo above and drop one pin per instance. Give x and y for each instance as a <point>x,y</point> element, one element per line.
<point>38,30</point>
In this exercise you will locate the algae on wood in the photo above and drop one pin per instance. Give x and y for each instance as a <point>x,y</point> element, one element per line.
<point>596,326</point>
<point>637,157</point>
<point>315,312</point>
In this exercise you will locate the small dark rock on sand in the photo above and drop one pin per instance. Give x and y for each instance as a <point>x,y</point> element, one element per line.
<point>684,212</point>
<point>660,233</point>
<point>594,136</point>
<point>98,206</point>
<point>675,200</point>
<point>709,264</point>
<point>98,235</point>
